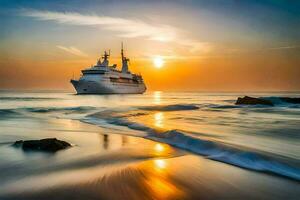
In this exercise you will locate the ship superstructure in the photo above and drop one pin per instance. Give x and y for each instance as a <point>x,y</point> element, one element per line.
<point>103,78</point>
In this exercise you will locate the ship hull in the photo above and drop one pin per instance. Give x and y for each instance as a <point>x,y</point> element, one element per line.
<point>98,87</point>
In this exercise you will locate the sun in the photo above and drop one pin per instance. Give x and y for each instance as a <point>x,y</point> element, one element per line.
<point>158,62</point>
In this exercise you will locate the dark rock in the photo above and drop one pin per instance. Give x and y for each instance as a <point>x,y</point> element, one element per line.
<point>253,101</point>
<point>18,143</point>
<point>47,145</point>
<point>290,100</point>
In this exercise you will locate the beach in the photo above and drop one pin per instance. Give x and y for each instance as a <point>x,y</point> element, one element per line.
<point>127,151</point>
<point>150,100</point>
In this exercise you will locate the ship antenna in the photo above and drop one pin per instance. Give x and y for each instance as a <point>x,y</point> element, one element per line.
<point>122,51</point>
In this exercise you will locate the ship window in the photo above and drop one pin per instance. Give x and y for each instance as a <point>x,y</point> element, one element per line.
<point>93,72</point>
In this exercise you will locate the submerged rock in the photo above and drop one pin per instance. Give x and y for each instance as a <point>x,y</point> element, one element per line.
<point>47,145</point>
<point>253,101</point>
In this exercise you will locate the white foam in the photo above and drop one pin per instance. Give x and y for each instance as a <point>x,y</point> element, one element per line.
<point>211,149</point>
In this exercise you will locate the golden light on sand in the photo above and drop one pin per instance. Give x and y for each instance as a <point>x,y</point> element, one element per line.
<point>160,164</point>
<point>158,61</point>
<point>162,188</point>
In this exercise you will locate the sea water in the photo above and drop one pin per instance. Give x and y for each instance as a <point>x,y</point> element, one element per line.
<point>261,138</point>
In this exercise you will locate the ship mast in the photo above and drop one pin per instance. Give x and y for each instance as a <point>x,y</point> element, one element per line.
<point>124,61</point>
<point>105,58</point>
<point>122,51</point>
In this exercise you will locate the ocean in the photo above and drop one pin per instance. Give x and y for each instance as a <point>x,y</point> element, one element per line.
<point>257,138</point>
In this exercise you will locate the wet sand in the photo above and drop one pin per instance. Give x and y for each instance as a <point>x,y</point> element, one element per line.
<point>184,177</point>
<point>148,174</point>
<point>107,165</point>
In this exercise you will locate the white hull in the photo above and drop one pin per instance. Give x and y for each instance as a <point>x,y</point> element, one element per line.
<point>101,87</point>
<point>105,79</point>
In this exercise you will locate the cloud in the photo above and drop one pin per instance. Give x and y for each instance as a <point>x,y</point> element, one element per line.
<point>284,47</point>
<point>72,50</point>
<point>122,27</point>
<point>261,49</point>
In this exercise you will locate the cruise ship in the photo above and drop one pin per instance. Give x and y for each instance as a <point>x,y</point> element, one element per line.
<point>103,78</point>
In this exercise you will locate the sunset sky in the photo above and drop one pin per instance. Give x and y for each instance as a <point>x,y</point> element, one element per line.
<point>218,45</point>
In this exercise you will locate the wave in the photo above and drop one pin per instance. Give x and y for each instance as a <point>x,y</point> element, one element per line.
<point>229,154</point>
<point>249,159</point>
<point>7,111</point>
<point>275,100</point>
<point>283,101</point>
<point>4,113</point>
<point>280,102</point>
<point>57,109</point>
<point>224,106</point>
<point>175,107</point>
<point>17,112</point>
<point>27,98</point>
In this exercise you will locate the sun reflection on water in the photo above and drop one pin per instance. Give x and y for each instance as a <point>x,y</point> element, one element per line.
<point>157,97</point>
<point>162,149</point>
<point>158,119</point>
<point>159,147</point>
